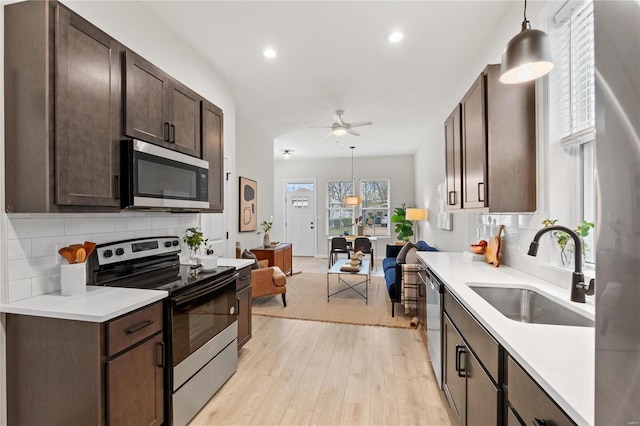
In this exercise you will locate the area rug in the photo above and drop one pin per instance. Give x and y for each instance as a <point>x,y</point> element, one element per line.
<point>307,300</point>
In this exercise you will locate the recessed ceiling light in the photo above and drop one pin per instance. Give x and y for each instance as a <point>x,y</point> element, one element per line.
<point>395,37</point>
<point>269,53</point>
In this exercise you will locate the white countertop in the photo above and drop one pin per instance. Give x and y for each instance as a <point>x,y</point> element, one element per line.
<point>237,263</point>
<point>560,358</point>
<point>98,304</point>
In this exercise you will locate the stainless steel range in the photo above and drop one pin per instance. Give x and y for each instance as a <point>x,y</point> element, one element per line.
<point>200,316</point>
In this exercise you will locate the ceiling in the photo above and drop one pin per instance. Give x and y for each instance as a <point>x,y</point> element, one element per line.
<point>335,55</point>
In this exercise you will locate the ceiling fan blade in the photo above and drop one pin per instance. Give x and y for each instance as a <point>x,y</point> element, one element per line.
<point>329,134</point>
<point>361,123</point>
<point>319,127</point>
<point>353,132</point>
<point>338,117</point>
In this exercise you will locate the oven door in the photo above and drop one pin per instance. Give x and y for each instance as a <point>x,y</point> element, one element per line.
<point>197,318</point>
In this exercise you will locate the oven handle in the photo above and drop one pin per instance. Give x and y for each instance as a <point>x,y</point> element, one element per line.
<point>180,300</point>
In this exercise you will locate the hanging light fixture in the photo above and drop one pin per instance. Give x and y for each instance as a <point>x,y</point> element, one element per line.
<point>352,200</point>
<point>527,55</point>
<point>287,153</point>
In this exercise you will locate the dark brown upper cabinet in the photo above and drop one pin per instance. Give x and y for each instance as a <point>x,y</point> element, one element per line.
<point>497,164</point>
<point>62,111</point>
<point>213,152</point>
<point>159,109</point>
<point>453,152</point>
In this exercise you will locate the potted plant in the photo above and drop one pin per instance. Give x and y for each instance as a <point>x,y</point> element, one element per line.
<point>404,227</point>
<point>194,239</point>
<point>266,228</point>
<point>562,238</point>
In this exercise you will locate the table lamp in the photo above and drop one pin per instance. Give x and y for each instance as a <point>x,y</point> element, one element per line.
<point>415,214</point>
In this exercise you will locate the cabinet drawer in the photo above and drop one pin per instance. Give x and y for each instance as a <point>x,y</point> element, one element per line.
<point>132,328</point>
<point>244,278</point>
<point>530,401</point>
<point>481,342</point>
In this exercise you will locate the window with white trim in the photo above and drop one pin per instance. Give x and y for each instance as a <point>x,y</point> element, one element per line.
<point>572,117</point>
<point>375,206</point>
<point>340,218</point>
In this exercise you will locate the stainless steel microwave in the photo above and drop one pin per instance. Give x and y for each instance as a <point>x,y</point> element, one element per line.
<point>153,177</point>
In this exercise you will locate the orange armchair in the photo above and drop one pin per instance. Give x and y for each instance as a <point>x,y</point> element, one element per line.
<point>267,281</point>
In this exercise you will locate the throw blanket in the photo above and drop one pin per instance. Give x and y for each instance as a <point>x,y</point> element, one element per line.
<point>410,282</point>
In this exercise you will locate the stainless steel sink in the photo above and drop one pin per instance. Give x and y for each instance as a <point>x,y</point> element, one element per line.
<point>524,305</point>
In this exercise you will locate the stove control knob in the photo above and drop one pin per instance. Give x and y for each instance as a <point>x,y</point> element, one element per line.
<point>175,242</point>
<point>119,251</point>
<point>107,253</point>
<point>167,244</point>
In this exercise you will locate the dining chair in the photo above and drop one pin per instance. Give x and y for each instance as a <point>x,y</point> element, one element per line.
<point>338,245</point>
<point>363,244</point>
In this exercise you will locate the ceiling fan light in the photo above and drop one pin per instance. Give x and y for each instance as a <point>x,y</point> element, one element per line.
<point>352,200</point>
<point>339,131</point>
<point>286,154</point>
<point>526,57</point>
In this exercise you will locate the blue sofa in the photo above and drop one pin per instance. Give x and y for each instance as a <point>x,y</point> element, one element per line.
<point>393,271</point>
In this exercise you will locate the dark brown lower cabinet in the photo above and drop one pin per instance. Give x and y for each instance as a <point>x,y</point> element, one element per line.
<point>471,393</point>
<point>134,386</point>
<point>243,294</point>
<point>66,372</point>
<point>528,403</point>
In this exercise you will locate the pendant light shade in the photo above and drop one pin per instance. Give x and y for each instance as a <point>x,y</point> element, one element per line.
<point>352,200</point>
<point>527,55</point>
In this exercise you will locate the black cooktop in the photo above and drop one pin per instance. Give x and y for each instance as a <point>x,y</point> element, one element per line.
<point>149,263</point>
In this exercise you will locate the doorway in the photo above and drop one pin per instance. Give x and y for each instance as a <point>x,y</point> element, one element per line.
<point>300,213</point>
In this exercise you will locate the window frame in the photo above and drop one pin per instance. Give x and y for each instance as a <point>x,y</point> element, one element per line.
<point>562,162</point>
<point>372,230</point>
<point>340,208</point>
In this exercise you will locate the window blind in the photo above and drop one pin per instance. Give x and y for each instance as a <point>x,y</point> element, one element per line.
<point>574,84</point>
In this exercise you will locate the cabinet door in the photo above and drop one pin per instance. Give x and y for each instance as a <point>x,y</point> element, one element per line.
<point>453,380</point>
<point>135,385</point>
<point>453,152</point>
<point>483,396</point>
<point>474,142</point>
<point>287,259</point>
<point>185,122</point>
<point>244,316</point>
<point>147,92</point>
<point>278,259</point>
<point>87,113</point>
<point>213,152</point>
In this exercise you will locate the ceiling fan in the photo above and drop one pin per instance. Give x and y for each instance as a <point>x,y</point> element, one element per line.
<point>341,127</point>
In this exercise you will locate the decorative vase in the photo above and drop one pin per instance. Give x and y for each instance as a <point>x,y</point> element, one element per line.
<point>266,242</point>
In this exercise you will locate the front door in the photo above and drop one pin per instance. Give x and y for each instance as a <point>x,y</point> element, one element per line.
<point>301,213</point>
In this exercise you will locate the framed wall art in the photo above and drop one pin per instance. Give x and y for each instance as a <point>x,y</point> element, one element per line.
<point>248,205</point>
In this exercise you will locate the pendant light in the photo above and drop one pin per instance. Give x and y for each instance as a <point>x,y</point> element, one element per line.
<point>527,55</point>
<point>352,200</point>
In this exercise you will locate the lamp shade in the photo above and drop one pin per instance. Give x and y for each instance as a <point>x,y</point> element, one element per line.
<point>352,200</point>
<point>416,214</point>
<point>526,57</point>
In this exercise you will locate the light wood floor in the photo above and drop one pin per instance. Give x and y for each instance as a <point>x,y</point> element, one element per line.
<point>295,372</point>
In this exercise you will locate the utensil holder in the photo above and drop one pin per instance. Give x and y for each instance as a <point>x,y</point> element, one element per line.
<point>73,279</point>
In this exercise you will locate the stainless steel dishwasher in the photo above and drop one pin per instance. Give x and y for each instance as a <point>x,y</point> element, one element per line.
<point>435,294</point>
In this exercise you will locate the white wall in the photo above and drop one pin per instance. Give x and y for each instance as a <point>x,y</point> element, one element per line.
<point>255,161</point>
<point>399,169</point>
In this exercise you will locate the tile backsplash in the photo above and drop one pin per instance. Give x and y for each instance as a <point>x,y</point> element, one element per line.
<point>519,230</point>
<point>33,241</point>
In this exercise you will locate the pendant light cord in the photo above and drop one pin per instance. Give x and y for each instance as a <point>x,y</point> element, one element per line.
<point>526,25</point>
